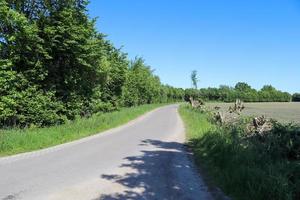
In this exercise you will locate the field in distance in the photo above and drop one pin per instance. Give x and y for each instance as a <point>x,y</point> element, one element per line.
<point>283,112</point>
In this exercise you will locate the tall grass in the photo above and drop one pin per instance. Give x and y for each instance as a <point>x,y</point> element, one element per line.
<point>246,169</point>
<point>13,141</point>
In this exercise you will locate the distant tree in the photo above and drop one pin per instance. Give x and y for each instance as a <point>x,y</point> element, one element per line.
<point>269,93</point>
<point>142,86</point>
<point>226,93</point>
<point>194,79</point>
<point>191,92</point>
<point>296,97</point>
<point>242,87</point>
<point>268,88</point>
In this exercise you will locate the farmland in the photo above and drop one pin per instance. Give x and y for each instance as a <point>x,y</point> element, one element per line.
<point>282,111</point>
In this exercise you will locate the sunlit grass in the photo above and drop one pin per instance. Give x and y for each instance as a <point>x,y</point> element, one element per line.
<point>13,141</point>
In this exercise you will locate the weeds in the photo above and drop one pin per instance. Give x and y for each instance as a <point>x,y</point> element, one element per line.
<point>259,167</point>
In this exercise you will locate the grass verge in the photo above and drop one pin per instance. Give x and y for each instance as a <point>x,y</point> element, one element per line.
<point>245,169</point>
<point>13,141</point>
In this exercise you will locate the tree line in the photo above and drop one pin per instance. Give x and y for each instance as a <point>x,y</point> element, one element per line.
<point>241,91</point>
<point>55,66</point>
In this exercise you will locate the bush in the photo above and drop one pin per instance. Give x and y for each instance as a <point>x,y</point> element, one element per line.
<point>296,97</point>
<point>31,107</point>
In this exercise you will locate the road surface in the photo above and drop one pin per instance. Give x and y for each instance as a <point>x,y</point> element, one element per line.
<point>144,159</point>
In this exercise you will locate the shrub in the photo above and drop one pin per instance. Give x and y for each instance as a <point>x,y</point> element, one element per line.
<point>296,97</point>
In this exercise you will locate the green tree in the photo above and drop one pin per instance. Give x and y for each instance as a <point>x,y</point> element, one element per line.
<point>194,79</point>
<point>242,87</point>
<point>22,71</point>
<point>296,97</point>
<point>141,86</point>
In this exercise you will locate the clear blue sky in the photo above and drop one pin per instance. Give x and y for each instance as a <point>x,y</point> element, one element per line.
<point>226,41</point>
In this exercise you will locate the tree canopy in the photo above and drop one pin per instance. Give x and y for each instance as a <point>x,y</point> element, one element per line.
<point>55,66</point>
<point>296,97</point>
<point>194,79</point>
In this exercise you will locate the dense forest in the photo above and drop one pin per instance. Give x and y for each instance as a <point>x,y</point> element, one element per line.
<point>55,66</point>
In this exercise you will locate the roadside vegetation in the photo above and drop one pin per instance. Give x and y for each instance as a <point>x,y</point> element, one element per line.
<point>55,66</point>
<point>246,162</point>
<point>14,141</point>
<point>61,79</point>
<point>296,97</point>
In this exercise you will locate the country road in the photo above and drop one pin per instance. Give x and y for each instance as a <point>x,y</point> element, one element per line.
<point>145,159</point>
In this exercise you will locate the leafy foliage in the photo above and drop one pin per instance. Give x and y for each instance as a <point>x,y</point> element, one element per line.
<point>55,66</point>
<point>194,79</point>
<point>241,91</point>
<point>141,86</point>
<point>296,97</point>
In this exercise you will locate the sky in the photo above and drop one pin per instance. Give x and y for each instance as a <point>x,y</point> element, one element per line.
<point>226,41</point>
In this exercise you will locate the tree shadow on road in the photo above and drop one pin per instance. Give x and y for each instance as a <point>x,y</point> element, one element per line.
<point>157,174</point>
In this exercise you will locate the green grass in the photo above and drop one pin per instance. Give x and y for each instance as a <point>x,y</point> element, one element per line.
<point>244,169</point>
<point>13,141</point>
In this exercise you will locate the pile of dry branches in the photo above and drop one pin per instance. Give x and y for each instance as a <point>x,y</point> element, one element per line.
<point>259,125</point>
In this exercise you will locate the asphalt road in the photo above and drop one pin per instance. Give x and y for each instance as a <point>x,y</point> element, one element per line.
<point>145,159</point>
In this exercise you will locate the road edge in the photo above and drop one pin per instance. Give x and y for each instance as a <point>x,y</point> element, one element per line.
<point>34,153</point>
<point>214,190</point>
